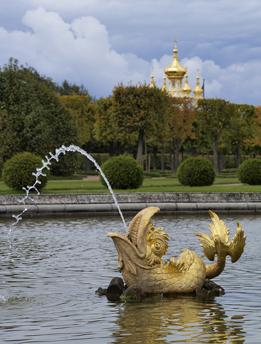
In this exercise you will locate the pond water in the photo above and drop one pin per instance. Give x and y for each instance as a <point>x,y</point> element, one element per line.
<point>48,278</point>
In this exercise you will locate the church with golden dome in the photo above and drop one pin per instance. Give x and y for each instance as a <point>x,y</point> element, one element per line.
<point>176,81</point>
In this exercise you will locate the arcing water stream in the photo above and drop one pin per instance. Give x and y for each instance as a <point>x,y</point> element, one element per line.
<point>47,162</point>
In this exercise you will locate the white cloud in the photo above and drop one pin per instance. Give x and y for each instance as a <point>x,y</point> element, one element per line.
<point>225,31</point>
<point>221,30</point>
<point>237,82</point>
<point>81,50</point>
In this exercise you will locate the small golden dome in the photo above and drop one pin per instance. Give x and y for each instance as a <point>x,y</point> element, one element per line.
<point>198,91</point>
<point>186,88</point>
<point>152,82</point>
<point>164,87</point>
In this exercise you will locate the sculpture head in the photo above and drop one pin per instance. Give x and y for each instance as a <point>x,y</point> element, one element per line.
<point>144,243</point>
<point>157,244</point>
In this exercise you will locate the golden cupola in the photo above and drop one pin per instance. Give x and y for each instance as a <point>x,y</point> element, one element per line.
<point>175,73</point>
<point>152,82</point>
<point>164,87</point>
<point>175,70</point>
<point>186,90</point>
<point>198,91</point>
<point>176,83</point>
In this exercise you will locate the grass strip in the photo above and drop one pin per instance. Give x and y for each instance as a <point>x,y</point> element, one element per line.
<point>157,184</point>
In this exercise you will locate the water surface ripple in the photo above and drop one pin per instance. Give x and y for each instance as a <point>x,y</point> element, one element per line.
<point>49,274</point>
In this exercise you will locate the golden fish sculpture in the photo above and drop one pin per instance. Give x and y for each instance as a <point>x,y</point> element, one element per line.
<point>140,253</point>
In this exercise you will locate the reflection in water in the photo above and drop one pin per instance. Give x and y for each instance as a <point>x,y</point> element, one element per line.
<point>183,319</point>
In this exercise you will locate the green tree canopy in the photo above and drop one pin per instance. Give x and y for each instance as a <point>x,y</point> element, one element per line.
<point>212,120</point>
<point>32,117</point>
<point>180,119</point>
<point>105,128</point>
<point>255,141</point>
<point>241,128</point>
<point>69,89</point>
<point>82,110</point>
<point>140,111</point>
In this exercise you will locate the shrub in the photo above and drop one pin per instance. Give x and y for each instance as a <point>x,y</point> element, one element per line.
<point>196,172</point>
<point>123,172</point>
<point>250,172</point>
<point>17,171</point>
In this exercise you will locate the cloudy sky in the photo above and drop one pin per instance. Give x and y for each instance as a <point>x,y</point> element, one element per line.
<point>100,43</point>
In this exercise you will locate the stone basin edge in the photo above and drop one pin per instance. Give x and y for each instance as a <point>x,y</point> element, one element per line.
<point>168,202</point>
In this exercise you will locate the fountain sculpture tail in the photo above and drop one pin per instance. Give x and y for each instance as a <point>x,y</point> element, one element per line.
<point>219,245</point>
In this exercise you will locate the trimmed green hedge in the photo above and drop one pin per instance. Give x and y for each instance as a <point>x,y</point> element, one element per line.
<point>250,172</point>
<point>196,172</point>
<point>17,171</point>
<point>123,172</point>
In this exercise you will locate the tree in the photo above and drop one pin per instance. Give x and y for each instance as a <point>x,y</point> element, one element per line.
<point>212,120</point>
<point>82,111</point>
<point>139,110</point>
<point>68,89</point>
<point>240,128</point>
<point>32,117</point>
<point>180,119</point>
<point>6,136</point>
<point>254,142</point>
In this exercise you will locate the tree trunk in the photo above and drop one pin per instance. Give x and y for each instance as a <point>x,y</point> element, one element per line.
<point>148,162</point>
<point>176,157</point>
<point>140,149</point>
<point>154,159</point>
<point>221,162</point>
<point>215,155</point>
<point>238,155</point>
<point>162,162</point>
<point>171,157</point>
<point>145,159</point>
<point>182,153</point>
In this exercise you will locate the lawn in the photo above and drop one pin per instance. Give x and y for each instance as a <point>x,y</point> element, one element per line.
<point>157,184</point>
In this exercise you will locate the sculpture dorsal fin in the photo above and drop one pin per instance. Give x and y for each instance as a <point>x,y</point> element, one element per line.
<point>138,228</point>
